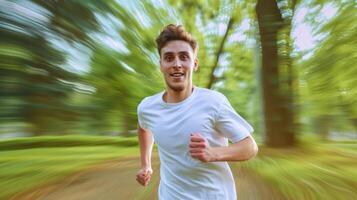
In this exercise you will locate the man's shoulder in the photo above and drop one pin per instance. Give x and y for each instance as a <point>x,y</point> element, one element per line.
<point>150,100</point>
<point>212,95</point>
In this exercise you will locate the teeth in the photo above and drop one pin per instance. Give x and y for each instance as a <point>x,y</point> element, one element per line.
<point>177,74</point>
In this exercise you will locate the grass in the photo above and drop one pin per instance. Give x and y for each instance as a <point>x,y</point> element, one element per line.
<point>31,162</point>
<point>313,171</point>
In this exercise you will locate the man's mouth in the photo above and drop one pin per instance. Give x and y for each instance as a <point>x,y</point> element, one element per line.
<point>177,74</point>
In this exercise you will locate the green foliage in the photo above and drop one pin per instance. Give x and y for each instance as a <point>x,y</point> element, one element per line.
<point>34,86</point>
<point>328,83</point>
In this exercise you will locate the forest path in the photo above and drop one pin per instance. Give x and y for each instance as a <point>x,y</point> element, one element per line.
<point>115,180</point>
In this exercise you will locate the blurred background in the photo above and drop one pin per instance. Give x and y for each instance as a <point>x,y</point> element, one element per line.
<point>73,72</point>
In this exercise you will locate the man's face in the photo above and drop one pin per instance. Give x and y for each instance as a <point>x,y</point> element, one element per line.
<point>177,63</point>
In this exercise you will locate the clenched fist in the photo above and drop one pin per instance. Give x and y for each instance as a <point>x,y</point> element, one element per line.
<point>144,175</point>
<point>200,149</point>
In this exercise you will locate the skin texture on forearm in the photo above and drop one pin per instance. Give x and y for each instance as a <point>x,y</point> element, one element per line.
<point>239,151</point>
<point>146,142</point>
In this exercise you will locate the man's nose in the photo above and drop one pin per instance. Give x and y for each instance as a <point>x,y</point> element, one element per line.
<point>177,63</point>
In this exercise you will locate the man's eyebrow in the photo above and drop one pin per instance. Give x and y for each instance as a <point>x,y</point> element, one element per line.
<point>184,52</point>
<point>168,53</point>
<point>180,52</point>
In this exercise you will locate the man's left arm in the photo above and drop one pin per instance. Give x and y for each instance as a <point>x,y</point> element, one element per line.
<point>244,149</point>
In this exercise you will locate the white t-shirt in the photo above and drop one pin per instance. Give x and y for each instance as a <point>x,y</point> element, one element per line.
<point>206,112</point>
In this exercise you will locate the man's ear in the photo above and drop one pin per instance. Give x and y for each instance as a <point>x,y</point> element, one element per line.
<point>195,68</point>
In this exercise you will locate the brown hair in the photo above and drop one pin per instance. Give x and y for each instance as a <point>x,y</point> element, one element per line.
<point>175,32</point>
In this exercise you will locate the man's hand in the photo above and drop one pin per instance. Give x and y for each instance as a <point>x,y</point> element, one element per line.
<point>144,175</point>
<point>200,149</point>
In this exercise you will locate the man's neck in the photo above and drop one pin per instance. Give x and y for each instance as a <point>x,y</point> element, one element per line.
<point>172,96</point>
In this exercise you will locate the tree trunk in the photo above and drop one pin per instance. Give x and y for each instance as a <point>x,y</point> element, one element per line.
<point>277,113</point>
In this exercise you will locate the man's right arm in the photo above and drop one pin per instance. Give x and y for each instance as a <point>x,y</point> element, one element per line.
<point>146,142</point>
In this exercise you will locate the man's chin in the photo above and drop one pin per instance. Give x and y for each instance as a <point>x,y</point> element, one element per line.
<point>176,88</point>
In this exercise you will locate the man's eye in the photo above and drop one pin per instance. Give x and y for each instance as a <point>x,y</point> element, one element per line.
<point>168,58</point>
<point>184,57</point>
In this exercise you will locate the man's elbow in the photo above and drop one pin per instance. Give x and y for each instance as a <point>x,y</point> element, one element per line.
<point>254,150</point>
<point>251,149</point>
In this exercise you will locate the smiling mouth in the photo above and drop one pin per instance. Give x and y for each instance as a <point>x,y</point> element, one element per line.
<point>177,74</point>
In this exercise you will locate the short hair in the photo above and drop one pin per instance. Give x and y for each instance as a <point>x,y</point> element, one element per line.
<point>175,32</point>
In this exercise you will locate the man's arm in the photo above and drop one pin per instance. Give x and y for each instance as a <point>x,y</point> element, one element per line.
<point>146,143</point>
<point>239,151</point>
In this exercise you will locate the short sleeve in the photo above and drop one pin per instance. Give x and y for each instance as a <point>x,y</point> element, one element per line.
<point>230,123</point>
<point>141,117</point>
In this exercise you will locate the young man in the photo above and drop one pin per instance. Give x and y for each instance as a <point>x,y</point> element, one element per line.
<point>191,127</point>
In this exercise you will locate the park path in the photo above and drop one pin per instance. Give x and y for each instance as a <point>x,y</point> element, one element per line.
<point>115,180</point>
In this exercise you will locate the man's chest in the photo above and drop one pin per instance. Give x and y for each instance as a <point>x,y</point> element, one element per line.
<point>172,128</point>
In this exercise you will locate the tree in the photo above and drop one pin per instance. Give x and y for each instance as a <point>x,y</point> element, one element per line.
<point>277,94</point>
<point>36,87</point>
